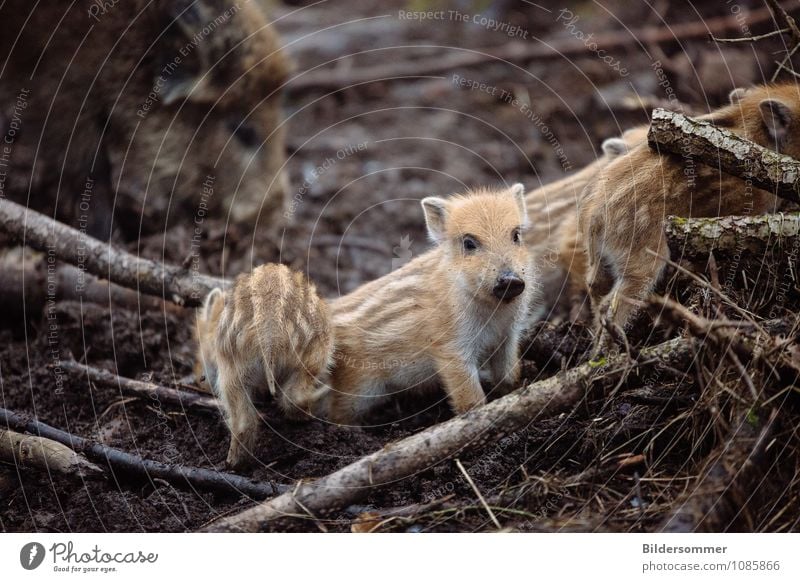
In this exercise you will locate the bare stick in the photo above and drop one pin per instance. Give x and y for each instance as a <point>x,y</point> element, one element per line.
<point>421,451</point>
<point>735,155</point>
<point>781,15</point>
<point>746,348</point>
<point>519,51</point>
<point>751,38</point>
<point>26,276</point>
<point>45,455</point>
<point>477,491</point>
<point>47,235</point>
<point>193,478</point>
<point>186,401</point>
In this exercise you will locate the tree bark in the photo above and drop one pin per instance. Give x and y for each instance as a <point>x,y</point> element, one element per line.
<point>126,464</point>
<point>44,455</point>
<point>44,234</point>
<point>767,169</point>
<point>697,237</point>
<point>425,449</point>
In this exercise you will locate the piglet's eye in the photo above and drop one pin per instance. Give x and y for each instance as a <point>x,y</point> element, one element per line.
<point>470,244</point>
<point>516,236</point>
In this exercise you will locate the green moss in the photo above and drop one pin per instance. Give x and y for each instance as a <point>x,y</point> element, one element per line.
<point>601,361</point>
<point>752,418</point>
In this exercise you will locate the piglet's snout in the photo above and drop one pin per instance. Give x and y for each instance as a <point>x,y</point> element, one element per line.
<point>508,286</point>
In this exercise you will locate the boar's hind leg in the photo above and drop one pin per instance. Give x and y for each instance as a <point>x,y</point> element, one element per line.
<point>240,414</point>
<point>299,395</point>
<point>640,276</point>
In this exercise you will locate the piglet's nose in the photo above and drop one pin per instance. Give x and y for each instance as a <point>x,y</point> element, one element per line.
<point>508,286</point>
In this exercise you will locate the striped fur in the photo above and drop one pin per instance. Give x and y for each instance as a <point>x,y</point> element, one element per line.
<point>271,332</point>
<point>623,211</point>
<point>552,235</point>
<point>435,320</point>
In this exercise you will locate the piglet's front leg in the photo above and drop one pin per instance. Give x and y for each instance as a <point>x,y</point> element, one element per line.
<point>462,384</point>
<point>504,365</point>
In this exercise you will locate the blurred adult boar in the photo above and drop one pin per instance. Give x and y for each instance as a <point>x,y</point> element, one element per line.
<point>142,113</point>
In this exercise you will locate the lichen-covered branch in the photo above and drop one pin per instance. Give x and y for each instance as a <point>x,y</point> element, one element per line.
<point>44,234</point>
<point>28,451</point>
<point>735,155</point>
<point>697,237</point>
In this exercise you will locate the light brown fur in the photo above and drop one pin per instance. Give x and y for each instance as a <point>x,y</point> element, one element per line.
<point>270,332</point>
<point>216,113</point>
<point>623,211</point>
<point>436,318</point>
<point>555,207</point>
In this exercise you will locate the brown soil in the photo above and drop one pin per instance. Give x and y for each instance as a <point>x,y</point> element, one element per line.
<point>388,145</point>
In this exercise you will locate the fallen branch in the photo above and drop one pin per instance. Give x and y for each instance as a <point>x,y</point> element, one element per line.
<point>518,51</point>
<point>186,401</point>
<point>27,279</point>
<point>698,237</point>
<point>45,455</point>
<point>765,168</point>
<point>192,478</point>
<point>44,234</point>
<point>421,451</point>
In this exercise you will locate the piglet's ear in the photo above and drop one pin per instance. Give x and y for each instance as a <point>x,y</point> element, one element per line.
<point>518,192</point>
<point>777,117</point>
<point>435,217</point>
<point>736,95</point>
<point>614,147</point>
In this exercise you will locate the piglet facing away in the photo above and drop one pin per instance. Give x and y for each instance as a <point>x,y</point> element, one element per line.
<point>443,315</point>
<point>623,210</point>
<point>552,238</point>
<point>270,332</point>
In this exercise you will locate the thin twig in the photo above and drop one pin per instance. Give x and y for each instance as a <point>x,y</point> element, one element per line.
<point>478,493</point>
<point>127,463</point>
<point>751,38</point>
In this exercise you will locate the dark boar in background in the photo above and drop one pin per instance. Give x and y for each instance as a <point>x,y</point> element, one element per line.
<point>137,114</point>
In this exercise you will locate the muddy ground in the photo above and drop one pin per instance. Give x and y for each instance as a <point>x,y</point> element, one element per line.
<point>381,147</point>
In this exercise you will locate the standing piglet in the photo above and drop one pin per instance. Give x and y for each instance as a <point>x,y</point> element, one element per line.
<point>442,316</point>
<point>555,206</point>
<point>270,332</point>
<point>623,210</point>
